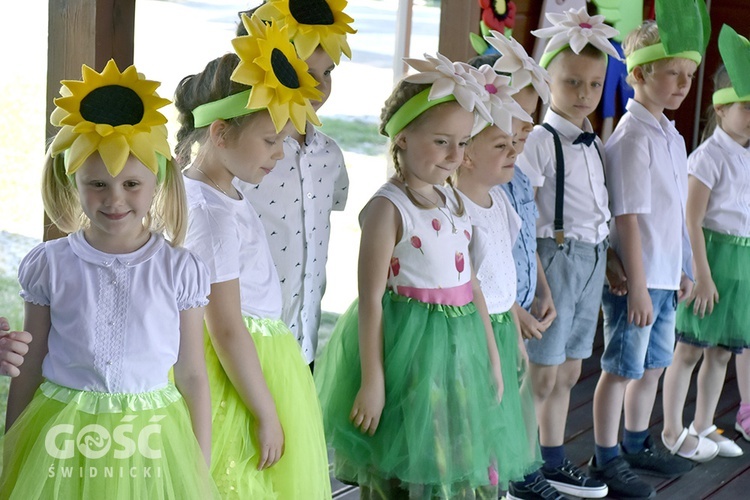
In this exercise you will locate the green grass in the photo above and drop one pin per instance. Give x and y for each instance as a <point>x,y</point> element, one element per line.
<point>356,135</point>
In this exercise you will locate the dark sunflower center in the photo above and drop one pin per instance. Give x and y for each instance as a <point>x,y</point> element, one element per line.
<point>284,70</point>
<point>311,11</point>
<point>114,105</point>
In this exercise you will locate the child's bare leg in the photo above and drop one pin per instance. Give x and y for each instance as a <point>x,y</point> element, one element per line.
<point>710,381</point>
<point>551,386</point>
<point>639,399</point>
<point>608,400</point>
<point>676,385</point>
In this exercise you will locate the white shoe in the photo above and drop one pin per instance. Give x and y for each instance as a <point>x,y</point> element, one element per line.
<point>705,451</point>
<point>727,447</point>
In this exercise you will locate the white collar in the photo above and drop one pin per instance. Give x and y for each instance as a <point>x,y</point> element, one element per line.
<point>86,252</point>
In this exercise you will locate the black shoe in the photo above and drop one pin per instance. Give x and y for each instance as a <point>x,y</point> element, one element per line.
<point>657,462</point>
<point>539,489</point>
<point>621,481</point>
<point>569,479</point>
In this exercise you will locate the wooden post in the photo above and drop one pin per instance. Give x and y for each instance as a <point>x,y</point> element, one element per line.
<point>84,32</point>
<point>458,18</point>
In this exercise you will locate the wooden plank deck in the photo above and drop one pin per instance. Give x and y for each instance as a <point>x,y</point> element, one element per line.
<point>719,479</point>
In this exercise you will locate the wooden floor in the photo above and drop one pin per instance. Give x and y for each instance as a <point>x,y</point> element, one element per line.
<point>719,479</point>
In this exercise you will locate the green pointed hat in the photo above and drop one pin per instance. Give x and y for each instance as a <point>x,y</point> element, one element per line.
<point>735,53</point>
<point>684,29</point>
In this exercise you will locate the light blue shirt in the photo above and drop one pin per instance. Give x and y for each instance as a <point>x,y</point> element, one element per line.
<point>521,196</point>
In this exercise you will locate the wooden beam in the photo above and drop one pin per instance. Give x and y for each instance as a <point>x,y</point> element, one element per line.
<point>458,18</point>
<point>84,32</point>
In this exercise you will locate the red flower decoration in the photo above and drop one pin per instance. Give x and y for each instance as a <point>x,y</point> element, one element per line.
<point>417,243</point>
<point>493,475</point>
<point>395,267</point>
<point>498,14</point>
<point>459,263</point>
<point>468,236</point>
<point>436,226</point>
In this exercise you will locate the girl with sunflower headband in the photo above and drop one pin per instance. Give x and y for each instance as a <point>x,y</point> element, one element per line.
<point>311,180</point>
<point>268,439</point>
<point>410,381</point>
<point>112,308</point>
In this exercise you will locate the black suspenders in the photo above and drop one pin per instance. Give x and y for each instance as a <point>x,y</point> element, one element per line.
<point>560,183</point>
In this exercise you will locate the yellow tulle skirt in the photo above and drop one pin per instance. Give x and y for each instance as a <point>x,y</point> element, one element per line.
<point>302,471</point>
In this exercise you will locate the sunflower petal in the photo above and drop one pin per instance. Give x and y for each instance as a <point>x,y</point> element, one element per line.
<point>114,150</point>
<point>81,149</point>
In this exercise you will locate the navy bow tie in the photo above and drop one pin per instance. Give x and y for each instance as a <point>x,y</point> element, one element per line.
<point>586,138</point>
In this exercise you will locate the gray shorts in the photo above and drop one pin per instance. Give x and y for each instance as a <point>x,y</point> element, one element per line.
<point>575,272</point>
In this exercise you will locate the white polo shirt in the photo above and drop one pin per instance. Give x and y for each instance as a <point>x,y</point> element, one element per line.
<point>294,203</point>
<point>585,210</point>
<point>495,232</point>
<point>646,164</point>
<point>724,167</point>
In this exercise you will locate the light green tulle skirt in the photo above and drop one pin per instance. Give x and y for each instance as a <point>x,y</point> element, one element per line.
<point>520,454</point>
<point>71,444</point>
<point>302,471</point>
<point>729,323</point>
<point>440,432</point>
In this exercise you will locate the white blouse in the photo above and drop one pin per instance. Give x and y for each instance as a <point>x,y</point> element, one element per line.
<point>115,318</point>
<point>723,166</point>
<point>228,236</point>
<point>495,232</point>
<point>431,262</point>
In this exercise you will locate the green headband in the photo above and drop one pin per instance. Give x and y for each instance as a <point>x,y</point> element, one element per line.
<point>161,171</point>
<point>547,57</point>
<point>728,96</point>
<point>657,52</point>
<point>229,107</point>
<point>412,109</point>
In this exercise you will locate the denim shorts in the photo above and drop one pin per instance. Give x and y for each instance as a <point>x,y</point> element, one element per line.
<point>575,272</point>
<point>630,350</point>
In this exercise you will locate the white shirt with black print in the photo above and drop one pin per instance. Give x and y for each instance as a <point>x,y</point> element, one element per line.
<point>294,203</point>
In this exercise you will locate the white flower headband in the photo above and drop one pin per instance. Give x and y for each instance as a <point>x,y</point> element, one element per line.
<point>514,60</point>
<point>576,29</point>
<point>498,99</point>
<point>448,81</point>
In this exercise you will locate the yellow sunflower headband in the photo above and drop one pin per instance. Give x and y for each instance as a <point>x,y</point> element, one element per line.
<point>312,23</point>
<point>115,114</point>
<point>278,77</point>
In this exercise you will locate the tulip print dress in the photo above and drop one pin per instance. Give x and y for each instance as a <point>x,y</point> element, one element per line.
<point>438,435</point>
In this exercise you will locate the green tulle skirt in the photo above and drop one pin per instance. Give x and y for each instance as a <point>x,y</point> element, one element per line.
<point>440,432</point>
<point>729,323</point>
<point>70,444</point>
<point>302,471</point>
<point>520,454</point>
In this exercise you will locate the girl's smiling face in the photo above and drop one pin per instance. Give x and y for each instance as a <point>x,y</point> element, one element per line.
<point>432,146</point>
<point>116,206</point>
